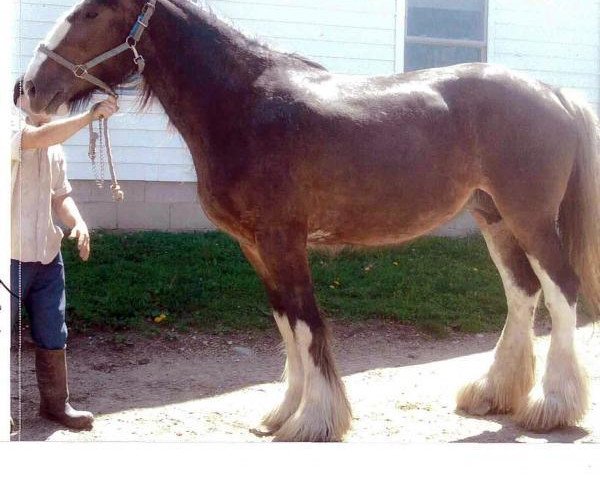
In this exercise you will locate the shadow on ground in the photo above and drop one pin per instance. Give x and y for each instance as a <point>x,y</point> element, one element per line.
<point>141,373</point>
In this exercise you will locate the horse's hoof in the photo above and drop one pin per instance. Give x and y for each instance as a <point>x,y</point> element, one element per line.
<point>261,432</point>
<point>561,401</point>
<point>481,398</point>
<point>298,434</point>
<point>274,420</point>
<point>309,425</point>
<point>543,413</point>
<point>472,399</point>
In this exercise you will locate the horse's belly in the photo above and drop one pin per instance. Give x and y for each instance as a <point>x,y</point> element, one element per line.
<point>391,222</point>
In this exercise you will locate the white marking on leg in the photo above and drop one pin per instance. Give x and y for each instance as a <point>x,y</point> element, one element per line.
<point>324,412</point>
<point>315,385</point>
<point>564,399</point>
<point>514,351</point>
<point>512,374</point>
<point>292,373</point>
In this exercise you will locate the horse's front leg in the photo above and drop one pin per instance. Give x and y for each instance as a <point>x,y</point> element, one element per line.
<point>315,407</point>
<point>293,373</point>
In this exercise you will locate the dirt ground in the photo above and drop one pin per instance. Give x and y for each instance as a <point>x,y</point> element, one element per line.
<point>215,388</point>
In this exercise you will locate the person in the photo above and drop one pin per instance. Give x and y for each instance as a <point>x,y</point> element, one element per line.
<point>40,191</point>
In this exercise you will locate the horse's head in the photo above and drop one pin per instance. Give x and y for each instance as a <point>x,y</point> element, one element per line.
<point>90,28</point>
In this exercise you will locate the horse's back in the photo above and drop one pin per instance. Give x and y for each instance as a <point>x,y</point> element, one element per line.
<point>431,90</point>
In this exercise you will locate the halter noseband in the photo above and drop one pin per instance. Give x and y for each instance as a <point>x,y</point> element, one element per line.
<point>81,70</point>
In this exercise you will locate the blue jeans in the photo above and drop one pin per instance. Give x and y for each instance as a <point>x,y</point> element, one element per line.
<point>42,291</point>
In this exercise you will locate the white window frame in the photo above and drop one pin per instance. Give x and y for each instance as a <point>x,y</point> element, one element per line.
<point>446,42</point>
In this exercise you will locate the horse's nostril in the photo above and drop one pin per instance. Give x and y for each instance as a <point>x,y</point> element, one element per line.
<point>29,89</point>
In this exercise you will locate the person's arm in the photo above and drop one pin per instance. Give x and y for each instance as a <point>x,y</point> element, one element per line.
<point>54,132</point>
<point>68,213</point>
<point>64,205</point>
<point>58,131</point>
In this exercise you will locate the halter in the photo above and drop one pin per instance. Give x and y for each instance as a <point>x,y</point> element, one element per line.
<point>81,71</point>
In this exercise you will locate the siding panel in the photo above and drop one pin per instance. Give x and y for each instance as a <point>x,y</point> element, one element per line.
<point>347,36</point>
<point>313,15</point>
<point>556,41</point>
<point>370,6</point>
<point>291,29</point>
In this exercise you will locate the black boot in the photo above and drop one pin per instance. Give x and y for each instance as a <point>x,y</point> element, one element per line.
<point>51,370</point>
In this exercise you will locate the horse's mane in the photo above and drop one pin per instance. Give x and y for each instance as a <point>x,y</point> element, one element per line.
<point>203,14</point>
<point>199,16</point>
<point>205,10</point>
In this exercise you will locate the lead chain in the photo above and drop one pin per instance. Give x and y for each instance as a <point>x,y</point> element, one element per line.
<point>103,147</point>
<point>100,152</point>
<point>92,154</point>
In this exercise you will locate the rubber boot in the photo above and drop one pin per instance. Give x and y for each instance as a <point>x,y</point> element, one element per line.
<point>51,370</point>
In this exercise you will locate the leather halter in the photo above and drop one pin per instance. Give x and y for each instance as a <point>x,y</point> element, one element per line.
<point>81,70</point>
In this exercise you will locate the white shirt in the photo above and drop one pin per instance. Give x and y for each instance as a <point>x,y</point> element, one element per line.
<point>38,175</point>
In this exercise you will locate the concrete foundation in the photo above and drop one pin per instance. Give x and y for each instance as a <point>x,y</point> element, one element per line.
<point>174,206</point>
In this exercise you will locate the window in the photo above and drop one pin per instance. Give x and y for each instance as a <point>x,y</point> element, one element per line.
<point>444,32</point>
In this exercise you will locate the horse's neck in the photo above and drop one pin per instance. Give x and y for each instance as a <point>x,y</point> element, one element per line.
<point>196,65</point>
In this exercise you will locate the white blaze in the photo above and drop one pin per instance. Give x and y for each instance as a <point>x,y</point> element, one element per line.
<point>58,32</point>
<point>52,40</point>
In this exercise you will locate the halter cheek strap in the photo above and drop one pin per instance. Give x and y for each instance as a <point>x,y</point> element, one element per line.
<point>81,70</point>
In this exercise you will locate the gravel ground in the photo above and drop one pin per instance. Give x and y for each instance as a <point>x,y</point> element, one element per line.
<point>215,388</point>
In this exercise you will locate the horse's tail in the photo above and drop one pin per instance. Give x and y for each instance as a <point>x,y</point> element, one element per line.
<point>579,217</point>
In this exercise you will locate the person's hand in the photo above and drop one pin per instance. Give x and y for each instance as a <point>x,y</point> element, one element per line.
<point>104,109</point>
<point>80,232</point>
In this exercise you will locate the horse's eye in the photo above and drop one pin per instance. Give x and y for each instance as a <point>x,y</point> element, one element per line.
<point>91,14</point>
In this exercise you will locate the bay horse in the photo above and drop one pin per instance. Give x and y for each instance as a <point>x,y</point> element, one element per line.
<point>288,154</point>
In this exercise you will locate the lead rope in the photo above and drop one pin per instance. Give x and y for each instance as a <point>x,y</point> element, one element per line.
<point>115,188</point>
<point>102,136</point>
<point>99,176</point>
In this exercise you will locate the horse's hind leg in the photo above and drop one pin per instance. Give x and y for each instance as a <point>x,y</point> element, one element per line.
<point>512,374</point>
<point>563,398</point>
<point>323,412</point>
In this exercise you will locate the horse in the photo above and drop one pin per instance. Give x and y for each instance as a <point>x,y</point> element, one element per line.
<point>289,155</point>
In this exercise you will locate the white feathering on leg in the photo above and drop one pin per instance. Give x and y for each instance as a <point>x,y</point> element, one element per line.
<point>293,374</point>
<point>324,412</point>
<point>512,374</point>
<point>564,398</point>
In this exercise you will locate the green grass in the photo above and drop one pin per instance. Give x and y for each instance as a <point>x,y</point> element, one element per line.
<point>203,281</point>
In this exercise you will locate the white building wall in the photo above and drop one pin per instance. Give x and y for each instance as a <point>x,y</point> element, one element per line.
<point>347,36</point>
<point>556,41</point>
